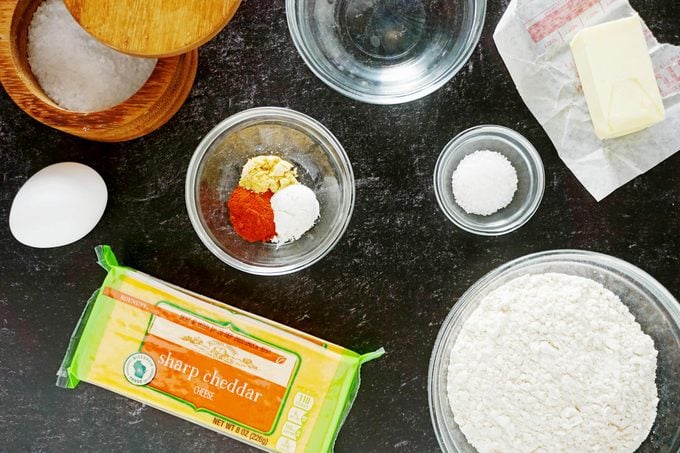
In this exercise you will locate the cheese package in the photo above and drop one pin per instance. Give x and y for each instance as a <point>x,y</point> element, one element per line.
<point>617,77</point>
<point>241,375</point>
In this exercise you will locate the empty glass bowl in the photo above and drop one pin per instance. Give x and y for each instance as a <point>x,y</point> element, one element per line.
<point>654,308</point>
<point>385,51</point>
<point>215,170</point>
<point>523,157</point>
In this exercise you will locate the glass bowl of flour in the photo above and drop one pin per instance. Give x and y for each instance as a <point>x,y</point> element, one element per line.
<point>595,360</point>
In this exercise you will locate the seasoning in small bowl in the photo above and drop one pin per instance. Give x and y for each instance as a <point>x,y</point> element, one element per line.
<point>269,204</point>
<point>489,180</point>
<point>270,191</point>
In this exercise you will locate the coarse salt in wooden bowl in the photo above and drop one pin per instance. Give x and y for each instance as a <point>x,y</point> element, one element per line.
<point>148,109</point>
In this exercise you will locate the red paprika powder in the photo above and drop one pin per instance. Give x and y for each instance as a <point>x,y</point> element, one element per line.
<point>251,214</point>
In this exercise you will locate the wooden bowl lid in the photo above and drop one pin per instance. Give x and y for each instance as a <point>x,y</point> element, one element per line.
<point>153,28</point>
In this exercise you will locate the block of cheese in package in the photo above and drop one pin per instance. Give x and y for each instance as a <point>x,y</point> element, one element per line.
<point>617,77</point>
<point>241,375</point>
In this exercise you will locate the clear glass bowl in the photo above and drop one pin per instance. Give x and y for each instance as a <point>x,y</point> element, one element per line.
<point>215,169</point>
<point>530,179</point>
<point>654,308</point>
<point>385,51</point>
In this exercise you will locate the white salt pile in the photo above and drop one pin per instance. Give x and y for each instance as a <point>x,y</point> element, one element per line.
<point>484,182</point>
<point>75,70</point>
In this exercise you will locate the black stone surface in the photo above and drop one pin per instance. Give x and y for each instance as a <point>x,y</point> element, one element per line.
<point>389,282</point>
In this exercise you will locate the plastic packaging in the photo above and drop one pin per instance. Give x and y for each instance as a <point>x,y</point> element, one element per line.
<point>225,369</point>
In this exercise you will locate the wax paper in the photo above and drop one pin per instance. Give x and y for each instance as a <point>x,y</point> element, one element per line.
<point>533,39</point>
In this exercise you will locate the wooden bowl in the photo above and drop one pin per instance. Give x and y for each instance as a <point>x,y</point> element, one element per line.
<point>148,109</point>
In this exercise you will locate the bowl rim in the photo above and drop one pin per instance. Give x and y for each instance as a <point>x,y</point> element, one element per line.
<point>634,273</point>
<point>288,116</point>
<point>472,39</point>
<point>526,148</point>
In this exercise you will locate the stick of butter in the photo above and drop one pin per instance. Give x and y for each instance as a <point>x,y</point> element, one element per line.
<point>241,375</point>
<point>618,80</point>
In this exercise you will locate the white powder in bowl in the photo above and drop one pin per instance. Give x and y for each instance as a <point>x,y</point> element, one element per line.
<point>75,70</point>
<point>295,212</point>
<point>484,182</point>
<point>553,363</point>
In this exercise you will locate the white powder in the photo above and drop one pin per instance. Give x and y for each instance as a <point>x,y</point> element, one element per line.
<point>295,212</point>
<point>75,70</point>
<point>484,182</point>
<point>553,363</point>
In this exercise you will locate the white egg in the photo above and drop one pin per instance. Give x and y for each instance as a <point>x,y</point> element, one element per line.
<point>58,205</point>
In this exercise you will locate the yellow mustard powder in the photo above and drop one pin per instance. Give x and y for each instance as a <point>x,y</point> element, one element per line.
<point>263,173</point>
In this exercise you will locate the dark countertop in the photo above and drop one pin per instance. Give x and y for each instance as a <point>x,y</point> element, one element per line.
<point>389,282</point>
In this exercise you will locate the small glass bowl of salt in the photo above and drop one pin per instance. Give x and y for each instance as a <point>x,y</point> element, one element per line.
<point>489,180</point>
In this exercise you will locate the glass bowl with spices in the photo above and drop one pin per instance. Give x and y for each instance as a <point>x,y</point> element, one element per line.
<point>270,191</point>
<point>489,180</point>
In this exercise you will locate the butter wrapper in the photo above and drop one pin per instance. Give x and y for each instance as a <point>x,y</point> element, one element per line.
<point>241,375</point>
<point>533,39</point>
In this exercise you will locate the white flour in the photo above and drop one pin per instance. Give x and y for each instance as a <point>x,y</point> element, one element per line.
<point>553,363</point>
